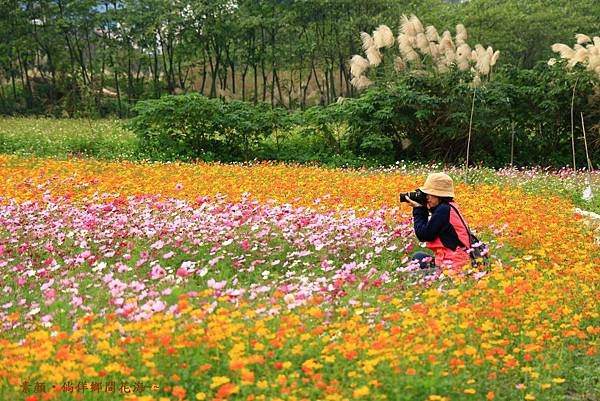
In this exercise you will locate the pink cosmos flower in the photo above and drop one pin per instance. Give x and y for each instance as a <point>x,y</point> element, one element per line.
<point>157,272</point>
<point>217,285</point>
<point>49,294</point>
<point>76,302</point>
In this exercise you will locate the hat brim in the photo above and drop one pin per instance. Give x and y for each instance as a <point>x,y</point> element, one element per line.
<point>434,192</point>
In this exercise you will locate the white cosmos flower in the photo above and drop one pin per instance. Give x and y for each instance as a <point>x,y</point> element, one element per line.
<point>587,193</point>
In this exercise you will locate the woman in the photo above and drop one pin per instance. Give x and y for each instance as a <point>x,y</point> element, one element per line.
<point>445,232</point>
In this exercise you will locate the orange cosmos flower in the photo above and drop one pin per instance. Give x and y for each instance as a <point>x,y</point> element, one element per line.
<point>227,389</point>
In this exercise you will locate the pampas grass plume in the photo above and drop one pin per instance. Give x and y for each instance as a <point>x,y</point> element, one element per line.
<point>434,50</point>
<point>581,55</point>
<point>406,26</point>
<point>358,65</point>
<point>432,34</point>
<point>495,57</point>
<point>581,38</point>
<point>450,56</point>
<point>564,50</point>
<point>463,53</point>
<point>406,48</point>
<point>361,82</point>
<point>383,37</point>
<point>374,56</point>
<point>594,62</point>
<point>422,43</point>
<point>483,64</point>
<point>367,41</point>
<point>461,34</point>
<point>417,25</point>
<point>446,42</point>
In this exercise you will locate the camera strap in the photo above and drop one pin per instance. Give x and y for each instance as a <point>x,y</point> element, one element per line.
<point>465,224</point>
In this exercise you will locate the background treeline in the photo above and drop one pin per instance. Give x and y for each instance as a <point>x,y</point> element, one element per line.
<point>98,58</point>
<point>521,117</point>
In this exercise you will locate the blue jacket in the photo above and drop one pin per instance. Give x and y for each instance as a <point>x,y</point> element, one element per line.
<point>428,229</point>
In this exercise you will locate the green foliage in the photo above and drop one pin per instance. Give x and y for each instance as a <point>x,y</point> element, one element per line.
<point>523,116</point>
<point>196,127</point>
<point>426,117</point>
<point>61,55</point>
<point>62,138</point>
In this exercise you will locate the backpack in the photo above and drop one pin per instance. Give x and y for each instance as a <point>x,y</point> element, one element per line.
<point>478,251</point>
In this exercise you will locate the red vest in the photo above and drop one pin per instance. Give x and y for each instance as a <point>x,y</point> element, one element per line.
<point>446,256</point>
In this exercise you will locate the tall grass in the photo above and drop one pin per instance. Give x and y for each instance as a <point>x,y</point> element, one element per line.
<point>61,138</point>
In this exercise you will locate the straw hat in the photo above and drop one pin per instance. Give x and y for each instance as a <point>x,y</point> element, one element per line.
<point>439,184</point>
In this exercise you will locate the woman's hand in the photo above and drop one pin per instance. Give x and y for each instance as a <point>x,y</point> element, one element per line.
<point>413,203</point>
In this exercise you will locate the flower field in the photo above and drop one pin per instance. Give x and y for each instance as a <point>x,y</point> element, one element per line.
<point>142,281</point>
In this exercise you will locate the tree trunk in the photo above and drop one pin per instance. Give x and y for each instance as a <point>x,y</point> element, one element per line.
<point>14,84</point>
<point>118,90</point>
<point>129,77</point>
<point>278,87</point>
<point>25,81</point>
<point>291,89</point>
<point>182,77</point>
<point>102,69</point>
<point>244,82</point>
<point>167,66</point>
<point>317,81</point>
<point>332,81</point>
<point>203,73</point>
<point>232,66</point>
<point>90,59</point>
<point>156,77</point>
<point>264,75</point>
<point>255,67</point>
<point>305,89</point>
<point>272,91</point>
<point>214,69</point>
<point>262,63</point>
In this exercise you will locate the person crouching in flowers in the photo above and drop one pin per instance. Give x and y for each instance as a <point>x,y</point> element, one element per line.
<point>444,232</point>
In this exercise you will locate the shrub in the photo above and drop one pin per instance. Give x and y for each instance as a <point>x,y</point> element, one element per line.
<point>196,127</point>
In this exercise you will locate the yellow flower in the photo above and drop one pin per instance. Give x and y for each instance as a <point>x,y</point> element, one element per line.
<point>530,397</point>
<point>469,391</point>
<point>558,380</point>
<point>219,381</point>
<point>361,392</point>
<point>200,396</point>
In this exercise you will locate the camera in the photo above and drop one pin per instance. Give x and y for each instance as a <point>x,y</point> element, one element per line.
<point>418,196</point>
